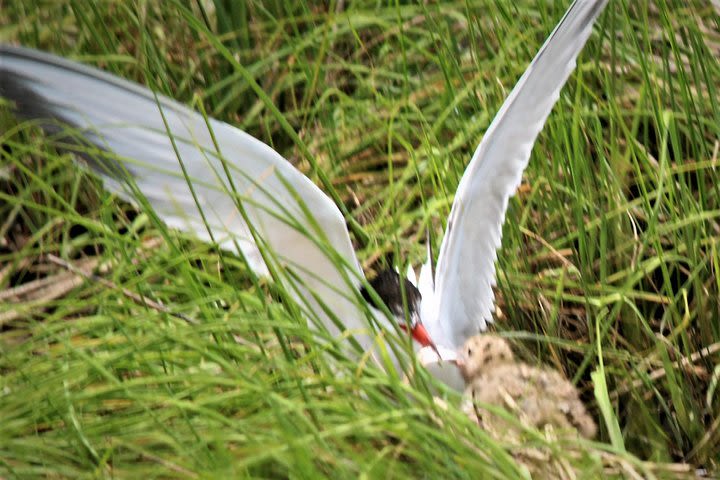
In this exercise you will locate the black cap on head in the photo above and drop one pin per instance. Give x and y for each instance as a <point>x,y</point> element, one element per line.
<point>387,286</point>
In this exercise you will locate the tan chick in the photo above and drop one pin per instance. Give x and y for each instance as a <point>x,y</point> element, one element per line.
<point>539,396</point>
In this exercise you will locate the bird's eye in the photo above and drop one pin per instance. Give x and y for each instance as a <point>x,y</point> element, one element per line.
<point>469,352</point>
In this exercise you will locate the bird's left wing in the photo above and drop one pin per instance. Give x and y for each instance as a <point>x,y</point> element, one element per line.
<point>463,296</point>
<point>199,175</point>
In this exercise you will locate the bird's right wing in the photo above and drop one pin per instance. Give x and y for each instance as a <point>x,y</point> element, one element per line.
<point>463,296</point>
<point>164,149</point>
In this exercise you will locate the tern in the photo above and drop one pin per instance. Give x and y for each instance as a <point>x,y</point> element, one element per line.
<point>206,177</point>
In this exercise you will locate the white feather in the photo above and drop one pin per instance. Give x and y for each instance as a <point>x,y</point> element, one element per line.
<point>411,276</point>
<point>294,219</point>
<point>152,137</point>
<point>463,299</point>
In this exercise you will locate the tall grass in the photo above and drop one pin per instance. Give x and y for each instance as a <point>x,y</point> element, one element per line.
<point>608,267</point>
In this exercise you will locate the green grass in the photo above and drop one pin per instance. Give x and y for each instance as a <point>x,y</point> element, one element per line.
<point>609,265</point>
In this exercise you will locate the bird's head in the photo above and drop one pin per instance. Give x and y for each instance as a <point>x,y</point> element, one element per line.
<point>388,287</point>
<point>482,352</point>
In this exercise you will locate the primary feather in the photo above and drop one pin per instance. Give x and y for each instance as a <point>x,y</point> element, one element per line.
<point>131,136</point>
<point>461,304</point>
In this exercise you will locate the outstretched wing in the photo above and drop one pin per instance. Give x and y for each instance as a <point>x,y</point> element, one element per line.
<point>199,175</point>
<point>463,297</point>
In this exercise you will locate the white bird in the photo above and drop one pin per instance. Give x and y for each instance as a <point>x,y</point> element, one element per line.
<point>213,180</point>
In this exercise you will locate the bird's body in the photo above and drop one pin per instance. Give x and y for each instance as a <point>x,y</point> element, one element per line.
<point>219,183</point>
<point>537,396</point>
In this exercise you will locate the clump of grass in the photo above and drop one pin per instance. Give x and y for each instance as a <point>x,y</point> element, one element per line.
<point>609,264</point>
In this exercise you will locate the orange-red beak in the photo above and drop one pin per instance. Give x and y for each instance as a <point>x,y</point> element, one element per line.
<point>422,336</point>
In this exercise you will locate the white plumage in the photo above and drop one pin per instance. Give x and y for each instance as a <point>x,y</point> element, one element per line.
<point>462,302</point>
<point>163,149</point>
